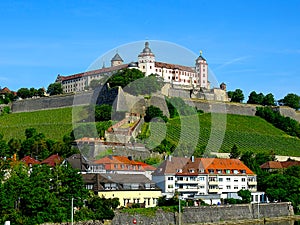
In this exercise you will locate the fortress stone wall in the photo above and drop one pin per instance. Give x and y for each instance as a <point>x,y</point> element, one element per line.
<point>137,104</point>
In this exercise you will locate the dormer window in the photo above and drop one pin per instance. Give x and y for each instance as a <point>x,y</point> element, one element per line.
<point>211,171</point>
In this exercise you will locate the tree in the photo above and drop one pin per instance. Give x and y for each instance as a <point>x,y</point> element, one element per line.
<point>154,112</point>
<point>234,153</point>
<point>245,195</point>
<point>55,89</point>
<point>269,100</point>
<point>255,98</point>
<point>124,77</point>
<point>103,112</point>
<point>236,96</point>
<point>145,86</point>
<point>23,93</point>
<point>291,100</point>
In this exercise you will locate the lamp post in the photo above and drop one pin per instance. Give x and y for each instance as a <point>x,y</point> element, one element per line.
<point>72,210</point>
<point>179,212</point>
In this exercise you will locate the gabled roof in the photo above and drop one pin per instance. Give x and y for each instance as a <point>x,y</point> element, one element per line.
<point>279,165</point>
<point>28,160</point>
<point>109,162</point>
<point>224,164</point>
<point>174,67</point>
<point>271,165</point>
<point>52,160</point>
<point>78,161</point>
<point>170,166</point>
<point>117,57</point>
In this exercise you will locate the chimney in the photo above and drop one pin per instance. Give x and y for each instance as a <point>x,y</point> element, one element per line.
<point>193,158</point>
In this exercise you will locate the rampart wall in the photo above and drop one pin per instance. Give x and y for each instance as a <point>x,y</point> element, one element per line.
<point>85,98</point>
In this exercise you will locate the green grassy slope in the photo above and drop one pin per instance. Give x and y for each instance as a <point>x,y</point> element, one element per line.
<point>53,123</point>
<point>247,132</point>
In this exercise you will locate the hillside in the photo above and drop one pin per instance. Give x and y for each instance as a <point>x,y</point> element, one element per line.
<point>247,132</point>
<point>53,123</point>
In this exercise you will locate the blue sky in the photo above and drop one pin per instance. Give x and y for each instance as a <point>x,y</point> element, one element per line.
<point>251,45</point>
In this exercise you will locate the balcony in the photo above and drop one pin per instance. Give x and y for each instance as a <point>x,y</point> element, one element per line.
<point>213,190</point>
<point>186,182</point>
<point>252,183</point>
<point>213,182</point>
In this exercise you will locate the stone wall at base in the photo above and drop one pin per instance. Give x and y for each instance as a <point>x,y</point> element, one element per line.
<point>203,214</point>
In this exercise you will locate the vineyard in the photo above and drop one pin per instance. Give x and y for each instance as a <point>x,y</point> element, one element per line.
<point>247,132</point>
<point>203,132</point>
<point>53,123</point>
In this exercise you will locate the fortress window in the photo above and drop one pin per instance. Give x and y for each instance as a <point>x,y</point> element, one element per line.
<point>150,67</point>
<point>143,67</point>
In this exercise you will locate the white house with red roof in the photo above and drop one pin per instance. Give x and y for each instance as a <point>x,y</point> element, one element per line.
<point>204,178</point>
<point>124,165</point>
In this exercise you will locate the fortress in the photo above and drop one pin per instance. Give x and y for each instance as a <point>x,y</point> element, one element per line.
<point>191,80</point>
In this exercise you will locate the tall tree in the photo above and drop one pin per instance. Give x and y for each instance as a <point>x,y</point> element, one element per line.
<point>234,152</point>
<point>236,96</point>
<point>55,89</point>
<point>255,98</point>
<point>269,100</point>
<point>291,100</point>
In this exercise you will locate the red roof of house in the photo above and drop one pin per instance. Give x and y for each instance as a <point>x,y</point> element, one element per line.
<point>271,165</point>
<point>111,161</point>
<point>52,160</point>
<point>279,165</point>
<point>29,160</point>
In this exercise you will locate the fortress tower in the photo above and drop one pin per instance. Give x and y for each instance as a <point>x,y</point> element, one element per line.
<point>202,72</point>
<point>116,60</point>
<point>146,60</point>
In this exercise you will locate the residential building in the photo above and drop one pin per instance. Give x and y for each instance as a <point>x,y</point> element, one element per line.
<point>128,188</point>
<point>205,178</point>
<point>125,165</point>
<point>29,161</point>
<point>165,175</point>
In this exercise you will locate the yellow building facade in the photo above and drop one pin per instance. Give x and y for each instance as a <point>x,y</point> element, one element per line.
<point>148,197</point>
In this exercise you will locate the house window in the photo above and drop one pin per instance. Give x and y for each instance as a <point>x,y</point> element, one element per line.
<point>235,187</point>
<point>243,179</point>
<point>228,179</point>
<point>228,187</point>
<point>220,179</point>
<point>170,178</point>
<point>236,180</point>
<point>201,178</point>
<point>170,186</point>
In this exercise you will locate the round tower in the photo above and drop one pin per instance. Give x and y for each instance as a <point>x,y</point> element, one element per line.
<point>202,71</point>
<point>146,60</point>
<point>116,60</point>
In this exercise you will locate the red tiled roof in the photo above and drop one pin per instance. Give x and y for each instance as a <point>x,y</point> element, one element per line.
<point>28,160</point>
<point>110,161</point>
<point>224,164</point>
<point>279,165</point>
<point>287,164</point>
<point>52,160</point>
<point>174,66</point>
<point>271,165</point>
<point>93,72</point>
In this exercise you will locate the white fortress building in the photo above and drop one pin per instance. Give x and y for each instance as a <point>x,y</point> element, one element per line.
<point>181,76</point>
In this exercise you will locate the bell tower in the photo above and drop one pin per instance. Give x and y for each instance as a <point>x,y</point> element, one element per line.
<point>202,72</point>
<point>146,60</point>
